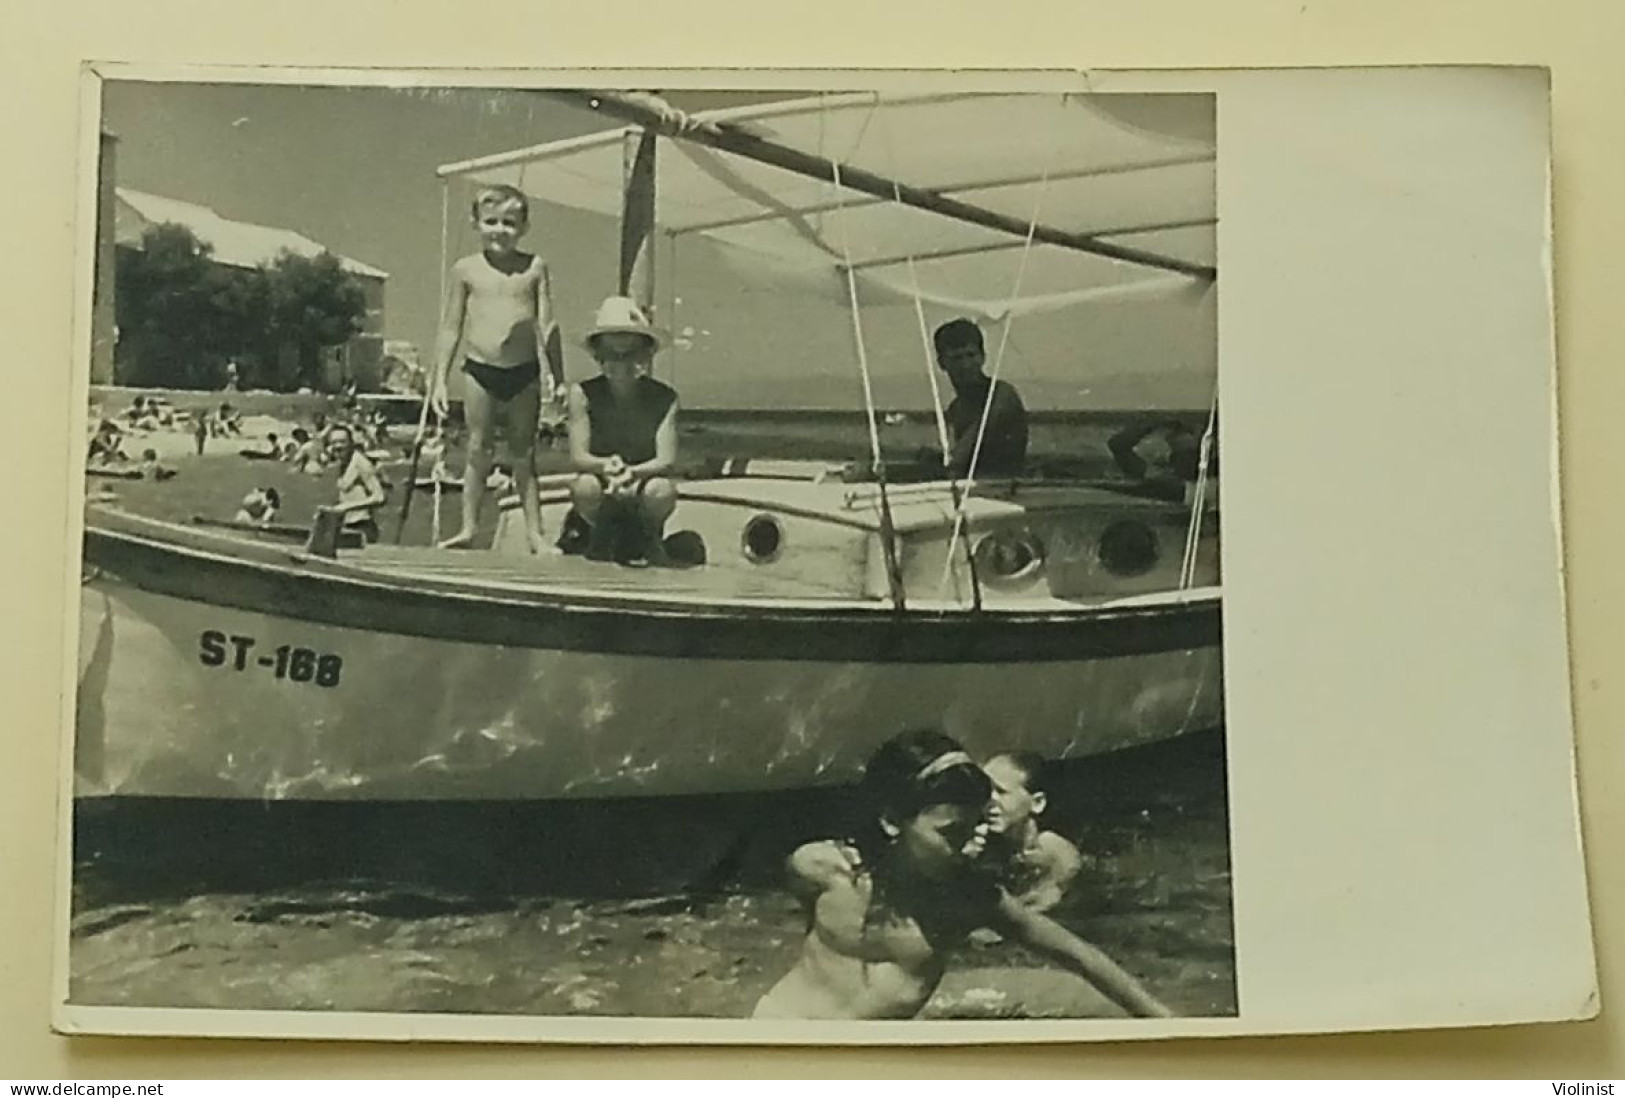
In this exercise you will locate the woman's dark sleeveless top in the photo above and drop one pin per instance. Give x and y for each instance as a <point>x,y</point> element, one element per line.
<point>626,427</point>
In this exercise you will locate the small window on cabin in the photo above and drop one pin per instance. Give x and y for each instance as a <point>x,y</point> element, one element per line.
<point>762,540</point>
<point>1007,556</point>
<point>1128,548</point>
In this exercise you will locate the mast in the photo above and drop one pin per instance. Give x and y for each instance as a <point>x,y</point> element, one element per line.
<point>646,111</point>
<point>637,271</point>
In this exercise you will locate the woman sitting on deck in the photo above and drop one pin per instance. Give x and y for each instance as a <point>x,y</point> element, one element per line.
<point>623,441</point>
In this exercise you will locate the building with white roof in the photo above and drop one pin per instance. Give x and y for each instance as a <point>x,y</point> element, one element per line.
<point>246,246</point>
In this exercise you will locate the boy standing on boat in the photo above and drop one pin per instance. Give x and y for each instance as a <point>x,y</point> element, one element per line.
<point>1003,442</point>
<point>499,318</point>
<point>623,438</point>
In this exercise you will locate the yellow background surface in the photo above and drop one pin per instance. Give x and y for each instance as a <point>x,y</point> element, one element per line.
<point>39,57</point>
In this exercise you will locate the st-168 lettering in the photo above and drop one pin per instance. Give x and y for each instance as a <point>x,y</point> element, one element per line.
<point>217,649</point>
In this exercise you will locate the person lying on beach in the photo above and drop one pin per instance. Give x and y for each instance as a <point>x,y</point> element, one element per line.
<point>499,319</point>
<point>308,456</point>
<point>623,439</point>
<point>259,507</point>
<point>360,491</point>
<point>1035,866</point>
<point>152,468</point>
<point>272,451</point>
<point>105,444</point>
<point>888,906</point>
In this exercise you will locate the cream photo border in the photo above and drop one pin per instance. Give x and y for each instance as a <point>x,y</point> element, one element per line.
<point>1353,208</point>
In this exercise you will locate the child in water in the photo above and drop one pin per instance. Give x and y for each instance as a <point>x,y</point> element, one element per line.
<point>1035,866</point>
<point>889,906</point>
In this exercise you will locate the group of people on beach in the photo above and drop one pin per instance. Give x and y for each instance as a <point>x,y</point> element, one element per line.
<point>944,848</point>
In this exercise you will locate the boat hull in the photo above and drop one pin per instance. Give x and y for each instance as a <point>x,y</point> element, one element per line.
<point>191,685</point>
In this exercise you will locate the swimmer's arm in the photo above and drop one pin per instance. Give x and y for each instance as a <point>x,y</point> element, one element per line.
<point>582,459</point>
<point>549,341</point>
<point>814,867</point>
<point>452,315</point>
<point>1064,864</point>
<point>665,448</point>
<point>1050,939</point>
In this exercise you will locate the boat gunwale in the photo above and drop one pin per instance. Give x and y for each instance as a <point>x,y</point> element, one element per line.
<point>281,581</point>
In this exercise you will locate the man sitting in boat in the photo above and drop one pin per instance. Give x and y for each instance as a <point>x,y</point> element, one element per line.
<point>1003,448</point>
<point>623,441</point>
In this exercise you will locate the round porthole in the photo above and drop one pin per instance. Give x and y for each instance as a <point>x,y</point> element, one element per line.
<point>1008,556</point>
<point>762,540</point>
<point>1128,548</point>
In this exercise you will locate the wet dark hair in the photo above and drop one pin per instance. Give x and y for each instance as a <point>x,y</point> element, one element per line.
<point>906,775</point>
<point>957,333</point>
<point>1037,772</point>
<point>273,497</point>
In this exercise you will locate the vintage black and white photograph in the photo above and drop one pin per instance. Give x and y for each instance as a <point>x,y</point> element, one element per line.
<point>649,553</point>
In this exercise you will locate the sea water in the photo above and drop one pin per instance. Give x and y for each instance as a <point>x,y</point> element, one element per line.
<point>648,909</point>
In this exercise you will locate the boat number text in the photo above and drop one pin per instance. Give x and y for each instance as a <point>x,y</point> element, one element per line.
<point>217,649</point>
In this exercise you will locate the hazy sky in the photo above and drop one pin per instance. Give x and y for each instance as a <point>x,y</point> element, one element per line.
<point>354,169</point>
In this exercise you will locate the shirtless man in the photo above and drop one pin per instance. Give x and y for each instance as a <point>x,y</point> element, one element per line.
<point>499,319</point>
<point>986,418</point>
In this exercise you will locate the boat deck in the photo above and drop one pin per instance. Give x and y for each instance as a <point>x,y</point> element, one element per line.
<point>575,574</point>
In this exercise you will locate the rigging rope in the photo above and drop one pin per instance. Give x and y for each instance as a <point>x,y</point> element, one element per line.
<point>888,542</point>
<point>1193,532</point>
<point>440,420</point>
<point>926,347</point>
<point>998,362</point>
<point>428,386</point>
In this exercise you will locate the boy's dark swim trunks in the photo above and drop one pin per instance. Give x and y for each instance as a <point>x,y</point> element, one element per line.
<point>503,382</point>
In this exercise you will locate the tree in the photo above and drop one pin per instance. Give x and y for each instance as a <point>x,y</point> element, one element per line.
<point>182,317</point>
<point>166,323</point>
<point>314,304</point>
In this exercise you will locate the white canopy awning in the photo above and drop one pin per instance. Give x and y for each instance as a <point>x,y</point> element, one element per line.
<point>1133,175</point>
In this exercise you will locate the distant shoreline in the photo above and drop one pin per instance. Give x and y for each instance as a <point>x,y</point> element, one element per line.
<point>272,403</point>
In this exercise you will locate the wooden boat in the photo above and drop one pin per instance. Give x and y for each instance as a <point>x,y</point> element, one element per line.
<point>1062,618</point>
